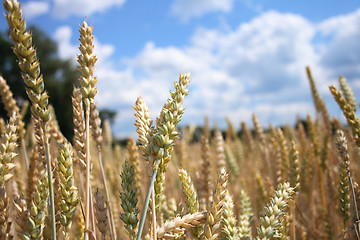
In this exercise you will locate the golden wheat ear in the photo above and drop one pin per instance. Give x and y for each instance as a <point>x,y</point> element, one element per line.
<point>7,154</point>
<point>205,190</point>
<point>192,202</point>
<point>101,214</point>
<point>175,228</point>
<point>215,216</point>
<point>348,112</point>
<point>345,181</point>
<point>134,160</point>
<point>35,89</point>
<point>69,192</point>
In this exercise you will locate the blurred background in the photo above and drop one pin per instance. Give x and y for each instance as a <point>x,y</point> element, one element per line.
<point>244,56</point>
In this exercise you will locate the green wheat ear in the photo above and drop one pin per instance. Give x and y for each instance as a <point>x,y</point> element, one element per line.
<point>274,212</point>
<point>129,199</point>
<point>348,92</point>
<point>246,214</point>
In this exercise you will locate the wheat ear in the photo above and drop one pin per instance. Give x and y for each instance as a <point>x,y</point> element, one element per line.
<point>219,148</point>
<point>101,213</point>
<point>318,102</point>
<point>178,224</point>
<point>261,137</point>
<point>230,158</point>
<point>229,222</point>
<point>30,66</point>
<point>5,224</point>
<point>2,126</point>
<point>349,113</point>
<point>21,217</point>
<point>192,202</point>
<point>95,123</point>
<point>11,107</point>
<point>68,191</point>
<point>284,154</point>
<point>37,161</point>
<point>86,60</point>
<point>134,160</point>
<point>166,133</point>
<point>145,132</point>
<point>345,180</point>
<point>37,210</point>
<point>7,154</point>
<point>79,126</point>
<point>7,151</point>
<point>213,225</point>
<point>348,92</point>
<point>246,214</point>
<point>205,188</point>
<point>144,129</point>
<point>275,212</point>
<point>129,199</point>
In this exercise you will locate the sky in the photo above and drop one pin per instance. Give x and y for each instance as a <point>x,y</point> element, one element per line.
<point>243,56</point>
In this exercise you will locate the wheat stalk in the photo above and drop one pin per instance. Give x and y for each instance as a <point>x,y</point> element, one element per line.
<point>86,60</point>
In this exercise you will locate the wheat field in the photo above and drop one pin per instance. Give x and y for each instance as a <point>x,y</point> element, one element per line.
<point>294,182</point>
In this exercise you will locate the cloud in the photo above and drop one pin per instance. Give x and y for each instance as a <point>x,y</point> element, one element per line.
<point>66,50</point>
<point>66,8</point>
<point>259,67</point>
<point>35,8</point>
<point>186,9</point>
<point>342,54</point>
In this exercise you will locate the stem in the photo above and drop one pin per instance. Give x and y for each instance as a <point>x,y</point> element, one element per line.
<point>354,197</point>
<point>25,153</point>
<point>87,204</point>
<point>112,225</point>
<point>292,214</point>
<point>51,188</point>
<point>92,215</point>
<point>146,204</point>
<point>153,209</point>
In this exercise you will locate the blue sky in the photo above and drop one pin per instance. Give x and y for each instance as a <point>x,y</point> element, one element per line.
<point>244,56</point>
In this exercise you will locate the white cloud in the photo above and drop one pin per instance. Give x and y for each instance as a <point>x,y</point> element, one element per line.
<point>63,38</point>
<point>35,8</point>
<point>186,9</point>
<point>257,68</point>
<point>66,8</point>
<point>342,54</point>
